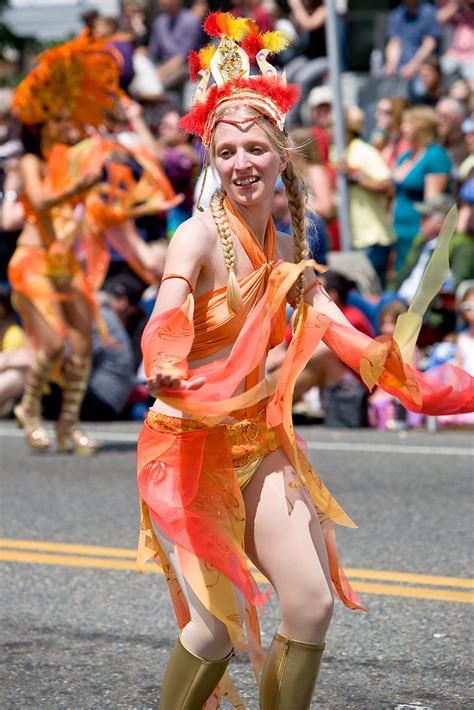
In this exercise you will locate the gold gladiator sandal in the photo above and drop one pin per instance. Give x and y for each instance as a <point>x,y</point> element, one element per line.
<point>289,675</point>
<point>76,376</point>
<point>189,680</point>
<point>28,411</point>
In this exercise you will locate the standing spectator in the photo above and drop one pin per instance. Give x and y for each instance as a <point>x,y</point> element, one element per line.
<point>255,9</point>
<point>133,20</point>
<point>413,34</point>
<point>125,292</point>
<point>107,27</point>
<point>387,137</point>
<point>369,192</point>
<point>419,175</point>
<point>427,88</point>
<point>175,31</point>
<point>450,115</point>
<point>319,103</point>
<point>459,14</point>
<point>309,17</point>
<point>315,175</point>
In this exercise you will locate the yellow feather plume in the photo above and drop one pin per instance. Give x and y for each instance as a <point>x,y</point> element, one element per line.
<point>275,42</point>
<point>235,28</point>
<point>206,54</point>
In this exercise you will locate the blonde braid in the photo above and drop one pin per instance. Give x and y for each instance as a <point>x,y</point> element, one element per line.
<point>296,205</point>
<point>234,296</point>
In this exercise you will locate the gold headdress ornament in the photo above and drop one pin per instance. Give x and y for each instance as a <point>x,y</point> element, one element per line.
<point>80,76</point>
<point>229,66</point>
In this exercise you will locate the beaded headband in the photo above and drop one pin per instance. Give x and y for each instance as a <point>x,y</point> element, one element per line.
<point>228,64</point>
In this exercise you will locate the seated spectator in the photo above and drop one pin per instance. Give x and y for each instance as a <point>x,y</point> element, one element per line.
<point>108,27</point>
<point>181,163</point>
<point>112,368</point>
<point>466,182</point>
<point>461,91</point>
<point>427,88</point>
<point>14,355</point>
<point>419,175</point>
<point>316,227</point>
<point>317,179</point>
<point>385,412</point>
<point>439,318</point>
<point>370,188</point>
<point>125,292</point>
<point>459,15</point>
<point>413,34</point>
<point>387,137</point>
<point>450,115</point>
<point>343,397</point>
<point>462,353</point>
<point>174,32</point>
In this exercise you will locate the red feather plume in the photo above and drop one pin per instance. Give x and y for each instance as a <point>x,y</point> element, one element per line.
<point>252,44</point>
<point>194,64</point>
<point>210,25</point>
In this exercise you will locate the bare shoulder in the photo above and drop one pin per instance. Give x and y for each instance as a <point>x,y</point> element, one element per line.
<point>197,235</point>
<point>285,249</point>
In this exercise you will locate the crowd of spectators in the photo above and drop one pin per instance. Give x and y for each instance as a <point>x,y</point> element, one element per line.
<point>409,157</point>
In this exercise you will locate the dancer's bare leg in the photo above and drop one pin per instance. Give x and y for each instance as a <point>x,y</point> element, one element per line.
<point>48,346</point>
<point>78,316</point>
<point>285,542</point>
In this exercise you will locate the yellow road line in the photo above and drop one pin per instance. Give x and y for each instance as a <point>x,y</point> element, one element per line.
<point>386,576</point>
<point>416,592</point>
<point>116,564</point>
<point>67,548</point>
<point>129,554</point>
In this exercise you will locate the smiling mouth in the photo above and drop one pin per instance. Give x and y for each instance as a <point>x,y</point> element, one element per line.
<point>243,182</point>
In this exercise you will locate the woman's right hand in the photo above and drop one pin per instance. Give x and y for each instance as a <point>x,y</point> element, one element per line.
<point>159,379</point>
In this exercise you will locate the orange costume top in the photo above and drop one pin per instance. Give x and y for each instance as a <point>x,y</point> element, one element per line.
<point>190,470</point>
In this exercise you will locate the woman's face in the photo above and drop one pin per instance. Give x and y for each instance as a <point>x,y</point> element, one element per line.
<point>408,129</point>
<point>62,129</point>
<point>169,130</point>
<point>247,162</point>
<point>384,116</point>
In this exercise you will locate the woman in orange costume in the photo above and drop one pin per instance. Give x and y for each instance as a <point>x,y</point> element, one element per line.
<point>221,474</point>
<point>70,88</point>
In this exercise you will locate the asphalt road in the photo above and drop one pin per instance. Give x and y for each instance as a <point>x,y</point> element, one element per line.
<point>80,629</point>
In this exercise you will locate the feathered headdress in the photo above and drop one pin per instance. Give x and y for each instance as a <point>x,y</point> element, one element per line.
<point>80,76</point>
<point>229,65</point>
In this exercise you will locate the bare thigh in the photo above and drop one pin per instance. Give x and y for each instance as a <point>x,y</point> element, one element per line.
<point>78,316</point>
<point>284,540</point>
<point>44,337</point>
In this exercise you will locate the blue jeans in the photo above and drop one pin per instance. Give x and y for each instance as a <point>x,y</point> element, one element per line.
<point>378,257</point>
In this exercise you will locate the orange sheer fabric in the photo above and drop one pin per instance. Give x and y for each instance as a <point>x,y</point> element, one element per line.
<point>214,325</point>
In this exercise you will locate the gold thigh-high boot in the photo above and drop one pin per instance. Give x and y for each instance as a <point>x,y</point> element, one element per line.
<point>189,680</point>
<point>76,376</point>
<point>28,411</point>
<point>289,675</point>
